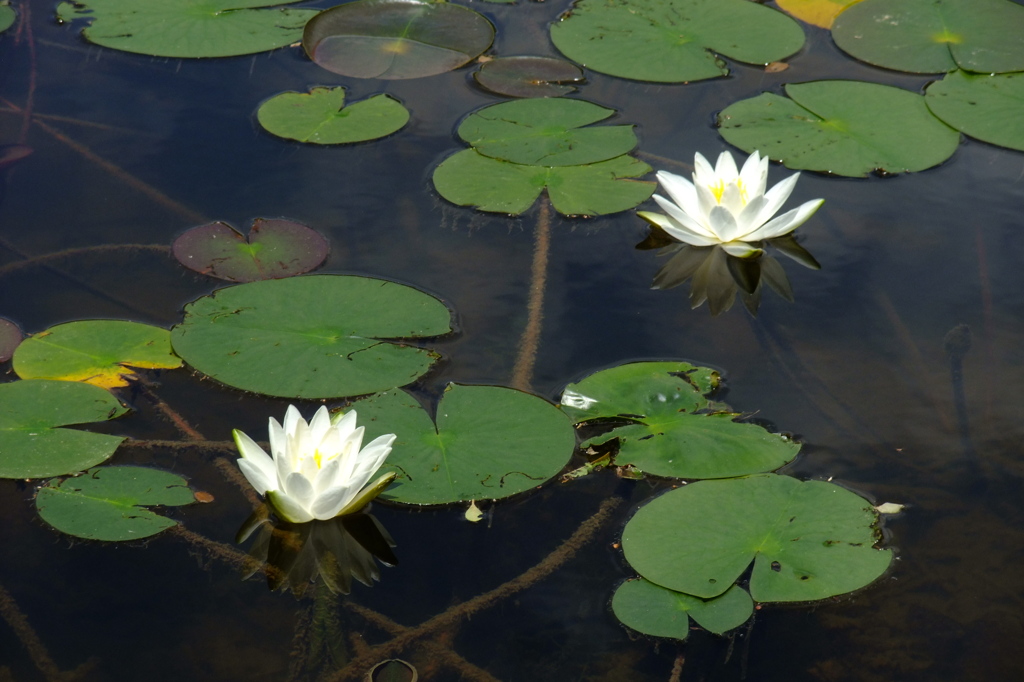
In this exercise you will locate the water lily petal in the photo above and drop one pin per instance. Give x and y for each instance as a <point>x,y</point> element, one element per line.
<point>675,230</point>
<point>683,193</point>
<point>747,218</point>
<point>367,494</point>
<point>327,478</point>
<point>754,175</point>
<point>299,488</point>
<point>741,249</point>
<point>725,168</point>
<point>345,422</point>
<point>723,223</point>
<point>703,173</point>
<point>690,222</point>
<point>278,439</point>
<point>776,197</point>
<point>287,508</point>
<point>787,222</point>
<point>319,424</point>
<point>329,503</point>
<point>292,417</point>
<point>257,477</point>
<point>732,200</point>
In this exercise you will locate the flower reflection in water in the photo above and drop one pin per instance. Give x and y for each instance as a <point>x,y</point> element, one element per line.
<point>294,555</point>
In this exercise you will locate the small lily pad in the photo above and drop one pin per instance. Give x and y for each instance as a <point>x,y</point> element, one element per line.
<point>316,336</point>
<point>10,336</point>
<point>934,36</point>
<point>660,612</point>
<point>817,12</point>
<point>529,76</point>
<point>321,117</point>
<point>843,127</point>
<point>99,352</point>
<point>469,178</point>
<point>394,39</point>
<point>274,248</point>
<point>30,444</point>
<point>673,41</point>
<point>106,503</point>
<point>7,17</point>
<point>665,425</point>
<point>489,443</point>
<point>808,540</point>
<point>546,132</point>
<point>983,106</point>
<point>189,28</point>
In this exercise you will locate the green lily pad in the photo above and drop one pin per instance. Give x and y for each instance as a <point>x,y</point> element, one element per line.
<point>396,39</point>
<point>661,612</point>
<point>107,503</point>
<point>546,132</point>
<point>7,17</point>
<point>469,178</point>
<point>670,427</point>
<point>10,338</point>
<point>529,76</point>
<point>985,107</point>
<point>932,36</point>
<point>189,28</point>
<point>808,540</point>
<point>843,127</point>
<point>673,41</point>
<point>98,352</point>
<point>273,249</point>
<point>30,444</point>
<point>321,117</point>
<point>488,443</point>
<point>316,336</point>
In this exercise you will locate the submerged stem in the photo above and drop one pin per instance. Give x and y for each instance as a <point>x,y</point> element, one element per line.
<point>522,372</point>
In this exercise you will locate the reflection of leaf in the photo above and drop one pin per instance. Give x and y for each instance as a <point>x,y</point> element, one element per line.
<point>321,117</point>
<point>395,39</point>
<point>30,446</point>
<point>273,249</point>
<point>488,443</point>
<point>672,41</point>
<point>546,132</point>
<point>468,178</point>
<point>844,127</point>
<point>188,28</point>
<point>107,503</point>
<point>100,352</point>
<point>818,12</point>
<point>986,107</point>
<point>808,540</point>
<point>661,612</point>
<point>934,36</point>
<point>529,76</point>
<point>668,430</point>
<point>316,336</point>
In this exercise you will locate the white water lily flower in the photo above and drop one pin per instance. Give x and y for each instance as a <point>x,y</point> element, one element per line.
<point>317,470</point>
<point>727,207</point>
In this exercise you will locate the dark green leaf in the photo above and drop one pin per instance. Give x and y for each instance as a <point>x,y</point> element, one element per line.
<point>661,612</point>
<point>985,107</point>
<point>321,117</point>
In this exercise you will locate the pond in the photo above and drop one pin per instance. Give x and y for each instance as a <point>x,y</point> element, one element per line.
<point>897,366</point>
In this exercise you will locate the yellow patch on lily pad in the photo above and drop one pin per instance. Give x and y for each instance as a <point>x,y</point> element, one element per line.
<point>816,12</point>
<point>98,352</point>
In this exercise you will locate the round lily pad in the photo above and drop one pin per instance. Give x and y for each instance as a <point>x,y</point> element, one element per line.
<point>808,540</point>
<point>661,612</point>
<point>546,132</point>
<point>529,76</point>
<point>321,117</point>
<point>843,127</point>
<point>673,41</point>
<point>396,39</point>
<point>818,12</point>
<point>7,17</point>
<point>99,352</point>
<point>317,336</point>
<point>189,28</point>
<point>488,443</point>
<point>670,429</point>
<point>10,337</point>
<point>983,106</point>
<point>933,36</point>
<point>30,444</point>
<point>274,248</point>
<point>469,178</point>
<point>106,503</point>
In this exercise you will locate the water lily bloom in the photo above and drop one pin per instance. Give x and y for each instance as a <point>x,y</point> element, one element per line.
<point>316,470</point>
<point>723,206</point>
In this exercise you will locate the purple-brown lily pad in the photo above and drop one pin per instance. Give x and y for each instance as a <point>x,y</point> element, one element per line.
<point>10,337</point>
<point>529,76</point>
<point>274,248</point>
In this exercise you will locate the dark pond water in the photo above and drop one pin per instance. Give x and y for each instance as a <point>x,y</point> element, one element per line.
<point>131,150</point>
